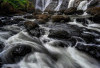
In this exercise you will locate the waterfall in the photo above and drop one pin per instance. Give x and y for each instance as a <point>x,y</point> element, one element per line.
<point>71,3</point>
<point>47,2</point>
<point>59,4</point>
<point>82,5</point>
<point>37,5</point>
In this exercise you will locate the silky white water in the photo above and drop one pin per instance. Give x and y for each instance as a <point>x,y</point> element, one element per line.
<point>71,3</point>
<point>46,4</point>
<point>59,4</point>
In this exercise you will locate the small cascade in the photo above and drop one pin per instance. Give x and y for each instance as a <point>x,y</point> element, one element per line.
<point>37,5</point>
<point>59,4</point>
<point>82,5</point>
<point>46,4</point>
<point>71,3</point>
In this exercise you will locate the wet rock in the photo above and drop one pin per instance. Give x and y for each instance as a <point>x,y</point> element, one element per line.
<point>59,44</point>
<point>89,38</point>
<point>21,50</point>
<point>31,25</point>
<point>29,16</point>
<point>82,20</point>
<point>43,16</point>
<point>59,18</point>
<point>79,12</point>
<point>1,46</point>
<point>41,21</point>
<point>33,29</point>
<point>70,11</point>
<point>1,23</point>
<point>95,18</point>
<point>18,19</point>
<point>93,10</point>
<point>59,34</point>
<point>90,49</point>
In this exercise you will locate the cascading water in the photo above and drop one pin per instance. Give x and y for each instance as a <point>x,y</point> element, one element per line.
<point>60,45</point>
<point>82,5</point>
<point>59,4</point>
<point>47,3</point>
<point>71,3</point>
<point>37,5</point>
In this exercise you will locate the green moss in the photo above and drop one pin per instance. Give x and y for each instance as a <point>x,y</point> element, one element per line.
<point>18,4</point>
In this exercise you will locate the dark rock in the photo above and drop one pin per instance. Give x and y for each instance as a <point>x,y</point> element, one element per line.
<point>1,23</point>
<point>89,38</point>
<point>30,25</point>
<point>29,16</point>
<point>93,10</point>
<point>59,34</point>
<point>95,18</point>
<point>33,29</point>
<point>21,50</point>
<point>92,50</point>
<point>82,20</point>
<point>59,18</point>
<point>43,16</point>
<point>79,12</point>
<point>41,21</point>
<point>1,46</point>
<point>59,44</point>
<point>18,19</point>
<point>70,11</point>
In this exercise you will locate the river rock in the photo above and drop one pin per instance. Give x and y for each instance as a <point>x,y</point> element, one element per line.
<point>43,16</point>
<point>59,34</point>
<point>59,44</point>
<point>90,49</point>
<point>70,11</point>
<point>33,28</point>
<point>79,12</point>
<point>59,18</point>
<point>93,11</point>
<point>30,25</point>
<point>1,23</point>
<point>29,16</point>
<point>82,20</point>
<point>21,50</point>
<point>41,21</point>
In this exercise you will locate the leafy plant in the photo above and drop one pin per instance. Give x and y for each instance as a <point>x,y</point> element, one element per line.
<point>18,4</point>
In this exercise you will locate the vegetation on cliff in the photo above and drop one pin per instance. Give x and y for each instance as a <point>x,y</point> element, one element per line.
<point>12,6</point>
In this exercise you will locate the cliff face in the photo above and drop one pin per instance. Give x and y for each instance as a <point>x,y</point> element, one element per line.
<point>61,4</point>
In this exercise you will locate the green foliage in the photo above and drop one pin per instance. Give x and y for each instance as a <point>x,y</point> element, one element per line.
<point>18,4</point>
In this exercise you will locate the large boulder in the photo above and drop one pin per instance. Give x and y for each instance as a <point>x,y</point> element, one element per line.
<point>59,18</point>
<point>95,11</point>
<point>70,11</point>
<point>90,49</point>
<point>30,25</point>
<point>33,28</point>
<point>59,34</point>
